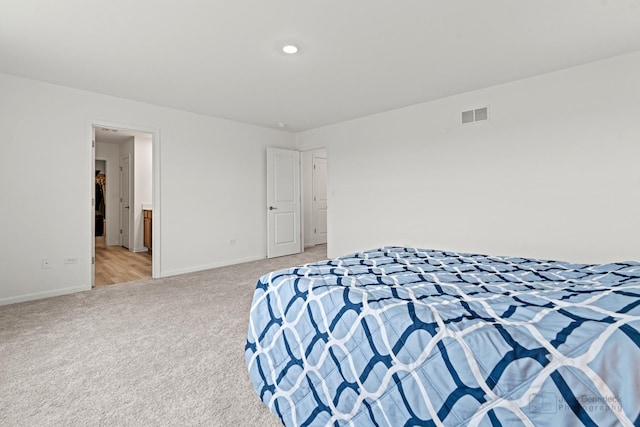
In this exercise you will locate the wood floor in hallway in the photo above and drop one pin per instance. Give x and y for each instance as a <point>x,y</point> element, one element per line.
<point>115,264</point>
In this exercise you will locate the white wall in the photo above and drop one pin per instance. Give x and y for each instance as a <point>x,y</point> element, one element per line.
<point>101,166</point>
<point>212,186</point>
<point>553,174</point>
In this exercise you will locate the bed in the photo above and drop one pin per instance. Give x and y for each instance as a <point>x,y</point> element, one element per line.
<point>400,336</point>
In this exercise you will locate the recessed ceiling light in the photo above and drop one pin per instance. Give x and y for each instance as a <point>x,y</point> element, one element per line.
<point>281,125</point>
<point>290,49</point>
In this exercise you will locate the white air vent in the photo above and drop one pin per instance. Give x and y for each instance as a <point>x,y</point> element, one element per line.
<point>481,114</point>
<point>477,115</point>
<point>467,116</point>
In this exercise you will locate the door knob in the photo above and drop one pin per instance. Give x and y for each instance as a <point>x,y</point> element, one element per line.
<point>272,208</point>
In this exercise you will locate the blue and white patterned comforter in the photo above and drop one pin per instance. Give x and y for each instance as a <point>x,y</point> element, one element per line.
<point>407,337</point>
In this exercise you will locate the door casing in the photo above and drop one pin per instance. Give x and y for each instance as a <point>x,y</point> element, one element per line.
<point>125,202</point>
<point>319,197</point>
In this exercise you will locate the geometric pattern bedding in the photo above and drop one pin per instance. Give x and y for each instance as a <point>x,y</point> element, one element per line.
<point>405,337</point>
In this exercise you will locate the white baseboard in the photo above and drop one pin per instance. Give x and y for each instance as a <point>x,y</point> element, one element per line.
<point>202,267</point>
<point>40,295</point>
<point>310,245</point>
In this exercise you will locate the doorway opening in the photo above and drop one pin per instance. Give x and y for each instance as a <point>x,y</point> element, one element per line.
<point>296,201</point>
<point>314,183</point>
<point>123,201</point>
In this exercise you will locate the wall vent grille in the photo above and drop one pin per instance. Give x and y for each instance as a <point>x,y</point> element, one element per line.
<point>476,115</point>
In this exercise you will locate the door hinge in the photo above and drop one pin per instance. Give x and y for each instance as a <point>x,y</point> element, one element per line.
<point>93,202</point>
<point>120,168</point>
<point>315,231</point>
<point>93,144</point>
<point>93,260</point>
<point>121,231</point>
<point>314,198</point>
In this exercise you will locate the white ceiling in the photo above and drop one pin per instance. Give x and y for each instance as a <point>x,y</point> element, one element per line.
<point>358,57</point>
<point>118,136</point>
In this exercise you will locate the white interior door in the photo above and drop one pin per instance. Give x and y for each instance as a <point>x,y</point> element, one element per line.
<point>283,202</point>
<point>125,200</point>
<point>320,200</point>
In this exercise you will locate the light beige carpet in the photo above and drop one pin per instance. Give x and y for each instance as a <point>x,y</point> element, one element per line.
<point>164,352</point>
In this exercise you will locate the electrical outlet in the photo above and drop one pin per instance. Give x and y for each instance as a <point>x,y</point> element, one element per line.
<point>232,242</point>
<point>45,263</point>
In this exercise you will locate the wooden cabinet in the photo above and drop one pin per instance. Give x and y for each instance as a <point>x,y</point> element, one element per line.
<point>147,228</point>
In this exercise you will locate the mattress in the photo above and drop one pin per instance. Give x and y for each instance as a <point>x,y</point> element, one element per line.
<point>400,336</point>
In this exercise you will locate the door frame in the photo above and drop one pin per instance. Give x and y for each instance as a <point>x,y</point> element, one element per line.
<point>306,176</point>
<point>313,195</point>
<point>156,225</point>
<point>129,219</point>
<point>106,200</point>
